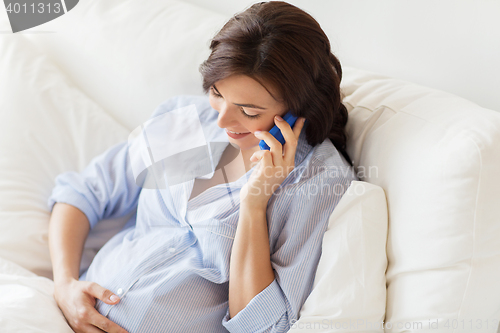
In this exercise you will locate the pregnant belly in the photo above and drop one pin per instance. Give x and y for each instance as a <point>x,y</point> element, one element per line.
<point>175,296</point>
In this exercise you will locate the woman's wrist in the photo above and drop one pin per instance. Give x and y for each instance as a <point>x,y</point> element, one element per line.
<point>253,203</point>
<point>63,278</point>
<point>255,195</point>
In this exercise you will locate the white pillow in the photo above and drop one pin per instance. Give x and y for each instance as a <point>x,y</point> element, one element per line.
<point>27,304</point>
<point>47,126</point>
<point>437,156</point>
<point>129,57</point>
<point>349,292</point>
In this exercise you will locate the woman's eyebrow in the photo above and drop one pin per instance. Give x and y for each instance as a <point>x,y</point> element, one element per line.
<point>252,106</point>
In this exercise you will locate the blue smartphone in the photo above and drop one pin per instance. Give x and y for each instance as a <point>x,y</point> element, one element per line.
<point>275,131</point>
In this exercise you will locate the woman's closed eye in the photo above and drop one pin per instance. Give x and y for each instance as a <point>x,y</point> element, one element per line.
<point>248,115</point>
<point>217,95</point>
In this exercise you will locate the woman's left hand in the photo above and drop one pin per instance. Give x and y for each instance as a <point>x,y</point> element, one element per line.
<point>274,165</point>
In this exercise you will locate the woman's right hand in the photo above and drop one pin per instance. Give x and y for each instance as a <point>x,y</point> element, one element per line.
<point>77,299</point>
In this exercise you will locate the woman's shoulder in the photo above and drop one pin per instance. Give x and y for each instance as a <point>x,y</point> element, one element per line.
<point>323,164</point>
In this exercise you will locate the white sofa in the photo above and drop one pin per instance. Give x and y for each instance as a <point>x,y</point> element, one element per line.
<point>415,249</point>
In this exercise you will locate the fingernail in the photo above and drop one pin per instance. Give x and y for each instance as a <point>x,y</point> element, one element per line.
<point>113,298</point>
<point>278,118</point>
<point>256,132</point>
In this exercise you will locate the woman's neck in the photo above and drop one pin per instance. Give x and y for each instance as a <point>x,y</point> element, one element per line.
<point>237,159</point>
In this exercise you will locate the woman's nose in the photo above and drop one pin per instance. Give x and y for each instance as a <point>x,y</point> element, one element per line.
<point>226,117</point>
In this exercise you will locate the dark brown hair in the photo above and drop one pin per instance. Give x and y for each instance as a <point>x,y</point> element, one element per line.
<point>277,43</point>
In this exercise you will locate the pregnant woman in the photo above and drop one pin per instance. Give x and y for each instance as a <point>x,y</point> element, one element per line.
<point>197,257</point>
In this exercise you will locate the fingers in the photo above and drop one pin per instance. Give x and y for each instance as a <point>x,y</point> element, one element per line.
<point>257,156</point>
<point>93,317</point>
<point>93,321</point>
<point>103,323</point>
<point>88,319</point>
<point>291,138</point>
<point>267,159</point>
<point>275,146</point>
<point>297,128</point>
<point>89,329</point>
<point>77,300</point>
<point>102,293</point>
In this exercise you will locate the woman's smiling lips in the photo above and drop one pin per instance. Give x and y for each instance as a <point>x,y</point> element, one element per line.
<point>236,136</point>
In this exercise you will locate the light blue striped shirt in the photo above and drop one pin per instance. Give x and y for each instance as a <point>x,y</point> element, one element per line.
<point>170,263</point>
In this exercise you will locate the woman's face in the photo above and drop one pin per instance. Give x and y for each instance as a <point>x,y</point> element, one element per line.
<point>244,106</point>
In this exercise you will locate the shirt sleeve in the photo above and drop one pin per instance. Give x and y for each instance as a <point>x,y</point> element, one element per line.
<point>296,236</point>
<point>105,189</point>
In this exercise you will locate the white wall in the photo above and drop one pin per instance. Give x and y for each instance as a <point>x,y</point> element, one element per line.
<point>452,45</point>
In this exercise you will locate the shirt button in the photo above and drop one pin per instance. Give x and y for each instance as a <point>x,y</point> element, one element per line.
<point>172,249</point>
<point>119,291</point>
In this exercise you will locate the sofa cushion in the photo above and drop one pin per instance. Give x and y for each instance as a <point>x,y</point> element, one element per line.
<point>27,303</point>
<point>349,293</point>
<point>437,157</point>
